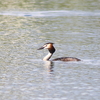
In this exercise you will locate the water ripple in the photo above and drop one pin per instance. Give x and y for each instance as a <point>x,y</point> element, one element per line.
<point>50,13</point>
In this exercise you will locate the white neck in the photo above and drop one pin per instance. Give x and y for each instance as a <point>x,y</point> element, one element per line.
<point>47,57</point>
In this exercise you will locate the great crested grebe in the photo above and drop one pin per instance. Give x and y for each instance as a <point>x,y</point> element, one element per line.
<point>51,50</point>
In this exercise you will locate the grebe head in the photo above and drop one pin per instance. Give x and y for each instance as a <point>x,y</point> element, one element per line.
<point>48,46</point>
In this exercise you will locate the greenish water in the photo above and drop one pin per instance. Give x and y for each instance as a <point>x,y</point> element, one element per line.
<point>74,27</point>
<point>34,5</point>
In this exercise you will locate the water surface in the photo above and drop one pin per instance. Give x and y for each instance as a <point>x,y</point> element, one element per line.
<point>73,26</point>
